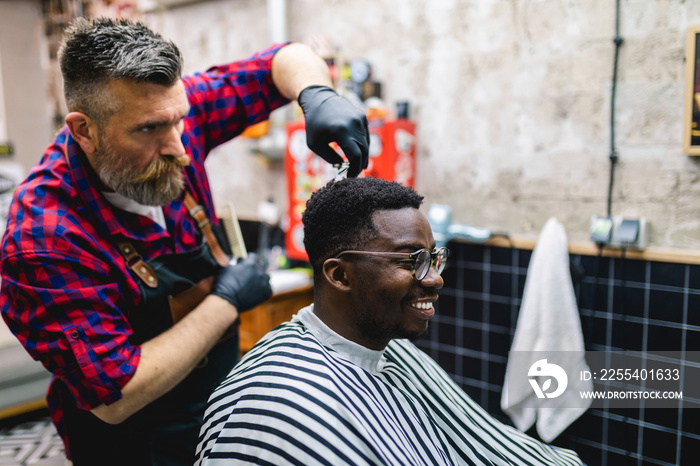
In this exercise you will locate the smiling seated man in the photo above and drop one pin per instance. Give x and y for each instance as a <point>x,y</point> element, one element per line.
<point>341,384</point>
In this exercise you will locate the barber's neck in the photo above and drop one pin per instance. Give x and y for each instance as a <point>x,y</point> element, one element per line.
<point>89,166</point>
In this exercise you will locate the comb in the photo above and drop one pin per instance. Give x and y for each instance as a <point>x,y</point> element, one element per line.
<point>232,228</point>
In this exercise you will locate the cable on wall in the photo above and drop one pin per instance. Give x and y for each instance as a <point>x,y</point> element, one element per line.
<point>613,151</point>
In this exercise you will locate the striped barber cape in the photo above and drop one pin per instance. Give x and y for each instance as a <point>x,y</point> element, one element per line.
<point>306,396</point>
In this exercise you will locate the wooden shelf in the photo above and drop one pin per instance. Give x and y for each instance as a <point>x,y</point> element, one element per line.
<point>678,256</point>
<point>27,407</point>
<point>273,312</point>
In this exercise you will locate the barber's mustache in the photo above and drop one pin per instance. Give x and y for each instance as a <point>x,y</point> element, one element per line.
<point>162,167</point>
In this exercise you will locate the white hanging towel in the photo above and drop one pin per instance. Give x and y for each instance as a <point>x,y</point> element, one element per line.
<point>547,337</point>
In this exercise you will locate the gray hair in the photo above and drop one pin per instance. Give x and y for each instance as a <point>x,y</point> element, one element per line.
<point>96,51</point>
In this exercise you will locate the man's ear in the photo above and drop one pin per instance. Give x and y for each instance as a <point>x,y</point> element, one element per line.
<point>84,131</point>
<point>334,270</point>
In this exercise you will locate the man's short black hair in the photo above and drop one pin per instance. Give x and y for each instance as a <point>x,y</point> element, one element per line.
<point>339,215</point>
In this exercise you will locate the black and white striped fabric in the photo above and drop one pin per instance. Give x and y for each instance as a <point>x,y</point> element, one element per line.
<point>293,400</point>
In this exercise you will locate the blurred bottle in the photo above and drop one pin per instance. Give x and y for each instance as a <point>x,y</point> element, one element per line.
<point>403,110</point>
<point>374,105</point>
<point>268,215</point>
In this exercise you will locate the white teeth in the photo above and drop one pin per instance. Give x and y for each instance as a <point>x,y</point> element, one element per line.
<point>423,305</point>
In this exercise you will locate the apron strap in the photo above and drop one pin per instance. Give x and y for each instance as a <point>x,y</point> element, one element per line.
<point>197,213</point>
<point>137,265</point>
<point>182,303</point>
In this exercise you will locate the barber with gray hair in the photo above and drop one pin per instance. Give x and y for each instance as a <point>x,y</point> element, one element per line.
<point>115,274</point>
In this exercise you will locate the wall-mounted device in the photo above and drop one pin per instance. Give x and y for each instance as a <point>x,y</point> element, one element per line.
<point>619,232</point>
<point>440,218</point>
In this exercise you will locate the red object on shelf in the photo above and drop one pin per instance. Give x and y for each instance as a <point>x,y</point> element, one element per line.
<point>392,157</point>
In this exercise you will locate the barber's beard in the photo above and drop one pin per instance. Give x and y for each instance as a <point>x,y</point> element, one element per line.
<point>158,184</point>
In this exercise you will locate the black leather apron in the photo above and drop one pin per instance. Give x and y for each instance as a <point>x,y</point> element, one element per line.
<point>166,431</point>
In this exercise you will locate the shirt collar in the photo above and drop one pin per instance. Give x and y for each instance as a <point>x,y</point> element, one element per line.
<point>370,360</point>
<point>155,213</point>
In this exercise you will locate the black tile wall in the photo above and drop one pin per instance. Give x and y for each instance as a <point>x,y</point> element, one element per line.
<point>624,305</point>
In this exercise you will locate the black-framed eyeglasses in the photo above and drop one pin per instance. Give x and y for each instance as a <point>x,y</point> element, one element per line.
<point>421,260</point>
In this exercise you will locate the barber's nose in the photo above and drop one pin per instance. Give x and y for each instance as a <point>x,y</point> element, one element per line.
<point>433,279</point>
<point>172,144</point>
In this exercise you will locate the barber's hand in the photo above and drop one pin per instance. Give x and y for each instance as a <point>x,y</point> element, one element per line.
<point>245,285</point>
<point>331,118</point>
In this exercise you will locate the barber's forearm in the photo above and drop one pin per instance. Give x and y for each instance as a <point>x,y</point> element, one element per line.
<point>168,358</point>
<point>296,67</point>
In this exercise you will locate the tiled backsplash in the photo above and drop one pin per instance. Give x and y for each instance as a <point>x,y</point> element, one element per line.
<point>624,304</point>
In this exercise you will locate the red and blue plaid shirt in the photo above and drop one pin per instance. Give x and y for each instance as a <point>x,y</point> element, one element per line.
<point>66,290</point>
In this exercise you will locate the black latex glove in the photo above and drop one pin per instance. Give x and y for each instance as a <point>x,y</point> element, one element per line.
<point>245,285</point>
<point>331,118</point>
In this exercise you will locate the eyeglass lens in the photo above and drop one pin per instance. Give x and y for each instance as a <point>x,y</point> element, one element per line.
<point>424,261</point>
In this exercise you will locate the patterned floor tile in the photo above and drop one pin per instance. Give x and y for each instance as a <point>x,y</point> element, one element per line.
<point>31,443</point>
